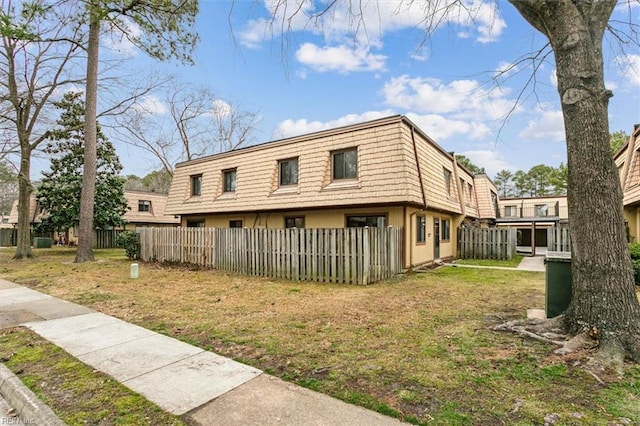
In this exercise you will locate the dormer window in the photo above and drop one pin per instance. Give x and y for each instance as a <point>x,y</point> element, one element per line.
<point>288,171</point>
<point>229,180</point>
<point>144,206</point>
<point>345,163</point>
<point>447,180</point>
<point>196,185</point>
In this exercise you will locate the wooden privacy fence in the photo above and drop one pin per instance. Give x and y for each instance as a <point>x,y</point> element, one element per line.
<point>487,243</point>
<point>105,238</point>
<point>558,239</point>
<point>349,255</point>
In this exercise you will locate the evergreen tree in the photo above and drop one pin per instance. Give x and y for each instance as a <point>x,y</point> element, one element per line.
<point>59,192</point>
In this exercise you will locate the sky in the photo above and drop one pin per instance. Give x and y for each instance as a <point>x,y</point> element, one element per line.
<point>465,85</point>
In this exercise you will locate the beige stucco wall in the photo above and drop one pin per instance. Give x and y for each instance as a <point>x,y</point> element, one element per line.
<point>397,216</point>
<point>632,217</point>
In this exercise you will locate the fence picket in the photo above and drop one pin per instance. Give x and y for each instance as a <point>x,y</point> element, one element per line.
<point>351,255</point>
<point>487,243</point>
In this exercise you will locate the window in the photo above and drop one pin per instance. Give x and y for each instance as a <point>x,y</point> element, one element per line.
<point>345,164</point>
<point>462,187</point>
<point>447,180</point>
<point>510,211</point>
<point>229,179</point>
<point>144,206</point>
<point>541,210</point>
<point>470,192</point>
<point>236,223</point>
<point>288,171</point>
<point>446,230</point>
<point>377,221</point>
<point>196,185</point>
<point>195,224</point>
<point>494,202</point>
<point>294,222</point>
<point>421,229</point>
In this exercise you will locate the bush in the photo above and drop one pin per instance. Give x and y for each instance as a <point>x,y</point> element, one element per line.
<point>634,251</point>
<point>129,241</point>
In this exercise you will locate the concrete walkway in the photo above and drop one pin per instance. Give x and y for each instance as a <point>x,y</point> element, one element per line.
<point>205,388</point>
<point>532,263</point>
<point>528,263</point>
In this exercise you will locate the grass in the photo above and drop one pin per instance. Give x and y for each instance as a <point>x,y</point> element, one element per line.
<point>416,347</point>
<point>512,263</point>
<point>78,394</point>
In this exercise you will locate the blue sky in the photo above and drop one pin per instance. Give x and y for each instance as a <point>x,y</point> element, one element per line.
<point>318,78</point>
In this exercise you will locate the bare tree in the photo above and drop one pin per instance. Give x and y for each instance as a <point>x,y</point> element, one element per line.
<point>604,303</point>
<point>32,70</point>
<point>195,124</point>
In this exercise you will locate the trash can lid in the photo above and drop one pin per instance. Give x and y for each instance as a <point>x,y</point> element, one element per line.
<point>558,256</point>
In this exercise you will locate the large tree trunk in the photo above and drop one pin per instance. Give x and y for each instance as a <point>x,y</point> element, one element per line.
<point>23,249</point>
<point>604,300</point>
<point>87,197</point>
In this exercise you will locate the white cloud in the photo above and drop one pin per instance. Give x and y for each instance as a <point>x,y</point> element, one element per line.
<point>549,125</point>
<point>289,128</point>
<point>492,161</point>
<point>506,69</point>
<point>440,128</point>
<point>630,68</point>
<point>117,41</point>
<point>437,127</point>
<point>221,109</point>
<point>553,78</point>
<point>340,58</point>
<point>462,99</point>
<point>150,105</point>
<point>476,18</point>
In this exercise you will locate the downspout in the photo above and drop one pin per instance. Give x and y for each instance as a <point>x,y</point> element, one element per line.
<point>424,197</point>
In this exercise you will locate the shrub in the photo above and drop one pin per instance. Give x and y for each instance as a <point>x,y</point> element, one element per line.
<point>129,241</point>
<point>634,251</point>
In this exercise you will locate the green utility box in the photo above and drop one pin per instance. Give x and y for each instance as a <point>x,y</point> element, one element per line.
<point>39,242</point>
<point>557,282</point>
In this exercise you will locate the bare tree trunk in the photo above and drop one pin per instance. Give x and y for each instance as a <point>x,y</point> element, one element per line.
<point>604,302</point>
<point>23,249</point>
<point>85,229</point>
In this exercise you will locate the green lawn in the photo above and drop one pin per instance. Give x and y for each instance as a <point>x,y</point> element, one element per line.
<point>513,263</point>
<point>417,347</point>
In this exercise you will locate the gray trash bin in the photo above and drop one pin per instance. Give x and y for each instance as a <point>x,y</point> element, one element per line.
<point>557,282</point>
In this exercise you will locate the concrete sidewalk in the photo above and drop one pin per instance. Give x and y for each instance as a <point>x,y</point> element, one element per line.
<point>532,263</point>
<point>528,263</point>
<point>205,388</point>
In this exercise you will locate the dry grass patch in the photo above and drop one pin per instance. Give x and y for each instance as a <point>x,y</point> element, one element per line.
<point>416,347</point>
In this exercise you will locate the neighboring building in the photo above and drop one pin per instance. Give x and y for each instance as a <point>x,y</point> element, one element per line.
<point>532,217</point>
<point>627,160</point>
<point>147,209</point>
<point>385,172</point>
<point>144,209</point>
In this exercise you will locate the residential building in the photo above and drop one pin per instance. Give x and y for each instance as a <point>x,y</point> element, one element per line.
<point>532,217</point>
<point>385,172</point>
<point>144,209</point>
<point>627,160</point>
